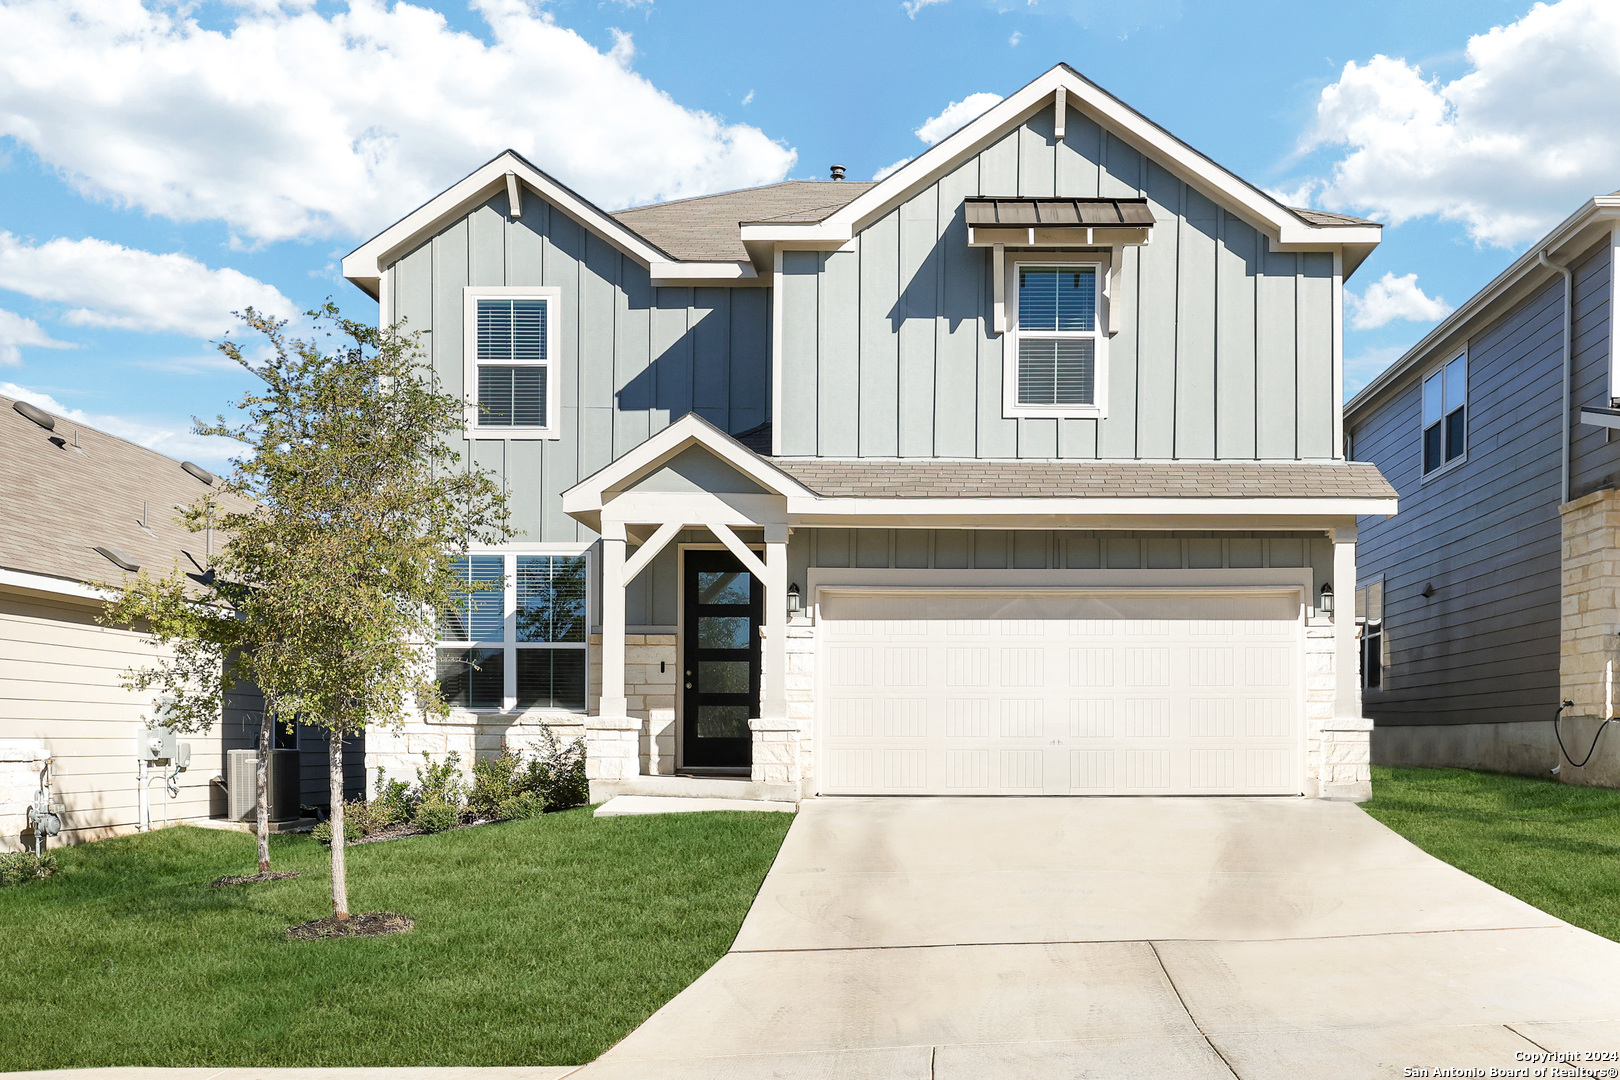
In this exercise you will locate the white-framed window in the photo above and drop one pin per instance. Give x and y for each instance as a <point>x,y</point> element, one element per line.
<point>510,348</point>
<point>1445,415</point>
<point>1374,643</point>
<point>521,644</point>
<point>1056,357</point>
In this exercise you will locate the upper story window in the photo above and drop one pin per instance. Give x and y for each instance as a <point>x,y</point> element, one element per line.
<point>1445,415</point>
<point>510,347</point>
<point>518,643</point>
<point>1056,352</point>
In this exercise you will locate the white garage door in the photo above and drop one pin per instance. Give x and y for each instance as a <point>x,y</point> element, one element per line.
<point>1019,693</point>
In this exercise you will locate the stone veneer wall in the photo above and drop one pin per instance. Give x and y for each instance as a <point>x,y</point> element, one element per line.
<point>1589,624</point>
<point>649,694</point>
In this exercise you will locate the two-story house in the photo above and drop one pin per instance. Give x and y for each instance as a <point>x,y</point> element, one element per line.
<point>1492,597</point>
<point>1017,472</point>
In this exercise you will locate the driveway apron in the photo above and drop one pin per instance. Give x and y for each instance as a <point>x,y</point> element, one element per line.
<point>938,938</point>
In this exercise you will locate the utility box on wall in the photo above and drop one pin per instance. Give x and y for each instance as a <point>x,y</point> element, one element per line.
<point>241,780</point>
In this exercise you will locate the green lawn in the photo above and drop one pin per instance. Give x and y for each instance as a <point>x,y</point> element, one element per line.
<point>537,942</point>
<point>1554,845</point>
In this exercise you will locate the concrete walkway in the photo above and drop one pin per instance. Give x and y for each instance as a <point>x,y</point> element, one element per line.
<point>932,939</point>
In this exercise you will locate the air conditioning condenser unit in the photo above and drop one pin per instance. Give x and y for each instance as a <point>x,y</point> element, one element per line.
<point>241,780</point>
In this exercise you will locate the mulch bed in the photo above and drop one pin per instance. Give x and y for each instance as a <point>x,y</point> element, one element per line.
<point>366,924</point>
<point>273,875</point>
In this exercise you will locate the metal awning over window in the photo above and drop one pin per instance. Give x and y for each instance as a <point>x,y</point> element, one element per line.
<point>1034,223</point>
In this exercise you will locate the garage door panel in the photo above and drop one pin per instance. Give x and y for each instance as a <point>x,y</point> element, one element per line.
<point>1008,694</point>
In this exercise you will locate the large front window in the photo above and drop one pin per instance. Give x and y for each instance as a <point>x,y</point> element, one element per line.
<point>1056,344</point>
<point>516,638</point>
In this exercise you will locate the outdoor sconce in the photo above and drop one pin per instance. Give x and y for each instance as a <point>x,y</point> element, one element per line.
<point>795,600</point>
<point>1325,603</point>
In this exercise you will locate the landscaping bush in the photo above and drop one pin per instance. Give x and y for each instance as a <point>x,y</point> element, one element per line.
<point>527,805</point>
<point>442,782</point>
<point>394,798</point>
<point>20,867</point>
<point>361,819</point>
<point>496,781</point>
<point>436,815</point>
<point>559,772</point>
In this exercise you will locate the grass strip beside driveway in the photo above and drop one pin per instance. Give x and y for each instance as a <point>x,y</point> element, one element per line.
<point>538,942</point>
<point>1553,845</point>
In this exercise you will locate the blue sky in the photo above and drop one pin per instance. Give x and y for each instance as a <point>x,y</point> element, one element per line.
<point>163,163</point>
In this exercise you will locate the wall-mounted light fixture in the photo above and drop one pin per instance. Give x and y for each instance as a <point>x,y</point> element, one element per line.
<point>1324,603</point>
<point>795,600</point>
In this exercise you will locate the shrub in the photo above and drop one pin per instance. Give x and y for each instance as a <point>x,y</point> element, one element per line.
<point>436,815</point>
<point>441,782</point>
<point>20,867</point>
<point>496,780</point>
<point>393,798</point>
<point>559,770</point>
<point>360,819</point>
<point>527,805</point>
<point>351,829</point>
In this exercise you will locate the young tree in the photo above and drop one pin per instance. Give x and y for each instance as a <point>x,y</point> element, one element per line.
<point>334,579</point>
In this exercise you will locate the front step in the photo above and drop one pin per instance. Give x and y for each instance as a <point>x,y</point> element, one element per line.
<point>694,787</point>
<point>626,805</point>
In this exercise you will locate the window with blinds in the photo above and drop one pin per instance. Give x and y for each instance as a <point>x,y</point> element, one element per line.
<point>515,638</point>
<point>511,346</point>
<point>1056,349</point>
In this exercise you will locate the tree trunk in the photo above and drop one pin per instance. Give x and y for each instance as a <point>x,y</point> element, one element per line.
<point>261,785</point>
<point>334,773</point>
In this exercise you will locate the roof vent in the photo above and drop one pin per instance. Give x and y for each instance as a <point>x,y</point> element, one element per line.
<point>38,416</point>
<point>199,472</point>
<point>119,559</point>
<point>837,172</point>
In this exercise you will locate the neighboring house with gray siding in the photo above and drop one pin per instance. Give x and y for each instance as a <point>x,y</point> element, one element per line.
<point>1489,598</point>
<point>1018,471</point>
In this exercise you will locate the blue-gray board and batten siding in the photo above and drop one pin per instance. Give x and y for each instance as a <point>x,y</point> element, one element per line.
<point>1225,348</point>
<point>632,358</point>
<point>1485,533</point>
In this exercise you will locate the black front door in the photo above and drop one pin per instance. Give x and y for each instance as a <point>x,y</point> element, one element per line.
<point>720,668</point>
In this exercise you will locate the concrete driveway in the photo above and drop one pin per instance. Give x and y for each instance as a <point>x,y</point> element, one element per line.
<point>926,939</point>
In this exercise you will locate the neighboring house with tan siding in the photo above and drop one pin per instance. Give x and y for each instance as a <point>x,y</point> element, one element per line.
<point>69,490</point>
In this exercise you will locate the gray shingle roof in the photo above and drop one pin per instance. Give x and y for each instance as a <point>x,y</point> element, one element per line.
<point>989,479</point>
<point>64,501</point>
<point>707,227</point>
<point>1323,217</point>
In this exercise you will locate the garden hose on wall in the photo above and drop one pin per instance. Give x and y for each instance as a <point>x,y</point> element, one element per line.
<point>1590,750</point>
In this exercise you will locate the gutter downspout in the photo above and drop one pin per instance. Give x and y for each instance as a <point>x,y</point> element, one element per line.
<point>1569,360</point>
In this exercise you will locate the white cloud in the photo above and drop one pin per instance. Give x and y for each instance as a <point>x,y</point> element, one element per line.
<point>748,99</point>
<point>1390,298</point>
<point>1364,367</point>
<point>914,6</point>
<point>1508,149</point>
<point>1017,36</point>
<point>105,284</point>
<point>956,115</point>
<point>174,439</point>
<point>890,170</point>
<point>17,331</point>
<point>292,123</point>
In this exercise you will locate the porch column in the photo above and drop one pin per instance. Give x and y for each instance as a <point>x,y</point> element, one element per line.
<point>613,583</point>
<point>1344,769</point>
<point>773,695</point>
<point>612,739</point>
<point>775,737</point>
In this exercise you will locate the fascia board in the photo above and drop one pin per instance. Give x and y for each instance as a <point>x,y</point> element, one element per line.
<point>54,586</point>
<point>689,430</point>
<point>366,263</point>
<point>1509,285</point>
<point>1212,179</point>
<point>966,511</point>
<point>670,272</point>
